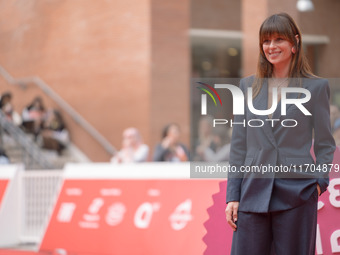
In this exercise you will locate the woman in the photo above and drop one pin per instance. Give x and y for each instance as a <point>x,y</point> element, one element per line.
<point>55,135</point>
<point>205,139</point>
<point>7,108</point>
<point>133,148</point>
<point>275,212</point>
<point>33,116</point>
<point>170,148</point>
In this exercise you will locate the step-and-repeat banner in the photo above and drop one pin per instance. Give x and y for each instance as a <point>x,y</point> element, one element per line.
<point>106,209</point>
<point>156,209</point>
<point>102,210</point>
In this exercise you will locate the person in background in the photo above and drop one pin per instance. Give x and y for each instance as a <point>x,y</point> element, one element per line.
<point>33,116</point>
<point>334,114</point>
<point>336,131</point>
<point>133,149</point>
<point>5,98</point>
<point>8,109</point>
<point>205,139</point>
<point>221,140</point>
<point>54,134</point>
<point>170,148</point>
<point>4,160</point>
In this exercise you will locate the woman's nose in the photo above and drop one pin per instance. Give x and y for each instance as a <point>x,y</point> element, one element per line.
<point>272,44</point>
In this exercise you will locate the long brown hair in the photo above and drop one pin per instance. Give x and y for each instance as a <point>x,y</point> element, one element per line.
<point>283,25</point>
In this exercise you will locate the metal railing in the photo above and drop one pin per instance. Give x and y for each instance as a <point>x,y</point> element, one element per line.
<point>35,156</point>
<point>63,104</point>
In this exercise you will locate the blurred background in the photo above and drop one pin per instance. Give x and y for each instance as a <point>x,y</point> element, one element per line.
<point>107,65</point>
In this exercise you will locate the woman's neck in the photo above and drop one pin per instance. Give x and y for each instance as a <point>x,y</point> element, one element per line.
<point>281,71</point>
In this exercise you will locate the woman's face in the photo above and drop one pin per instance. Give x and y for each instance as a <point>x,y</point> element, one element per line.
<point>130,138</point>
<point>174,133</point>
<point>278,50</point>
<point>37,105</point>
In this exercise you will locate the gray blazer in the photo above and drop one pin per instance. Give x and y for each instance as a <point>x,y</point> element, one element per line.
<point>278,145</point>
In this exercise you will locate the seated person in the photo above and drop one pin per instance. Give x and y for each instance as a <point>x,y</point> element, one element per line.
<point>4,160</point>
<point>205,138</point>
<point>54,133</point>
<point>33,116</point>
<point>221,152</point>
<point>170,148</point>
<point>8,109</point>
<point>133,149</point>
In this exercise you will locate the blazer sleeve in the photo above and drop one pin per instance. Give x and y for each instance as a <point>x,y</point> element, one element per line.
<point>324,144</point>
<point>238,151</point>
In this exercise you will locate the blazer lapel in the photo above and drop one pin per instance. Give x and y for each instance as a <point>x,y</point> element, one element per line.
<point>278,114</point>
<point>260,102</point>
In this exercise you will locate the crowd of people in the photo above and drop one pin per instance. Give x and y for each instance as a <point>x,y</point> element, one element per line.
<point>50,132</point>
<point>213,144</point>
<point>169,149</point>
<point>45,125</point>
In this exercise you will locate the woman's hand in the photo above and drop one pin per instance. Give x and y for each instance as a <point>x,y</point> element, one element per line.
<point>319,190</point>
<point>167,142</point>
<point>231,213</point>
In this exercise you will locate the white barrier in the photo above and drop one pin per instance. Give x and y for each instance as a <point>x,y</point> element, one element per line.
<point>26,202</point>
<point>38,193</point>
<point>9,205</point>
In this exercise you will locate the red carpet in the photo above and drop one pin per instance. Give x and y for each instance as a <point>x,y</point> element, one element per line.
<point>13,252</point>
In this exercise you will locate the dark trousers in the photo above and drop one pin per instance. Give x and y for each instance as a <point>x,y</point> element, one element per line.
<point>289,232</point>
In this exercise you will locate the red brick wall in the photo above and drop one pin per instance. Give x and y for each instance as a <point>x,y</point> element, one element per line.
<point>95,54</point>
<point>127,63</point>
<point>325,20</point>
<point>216,14</point>
<point>118,63</point>
<point>170,97</point>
